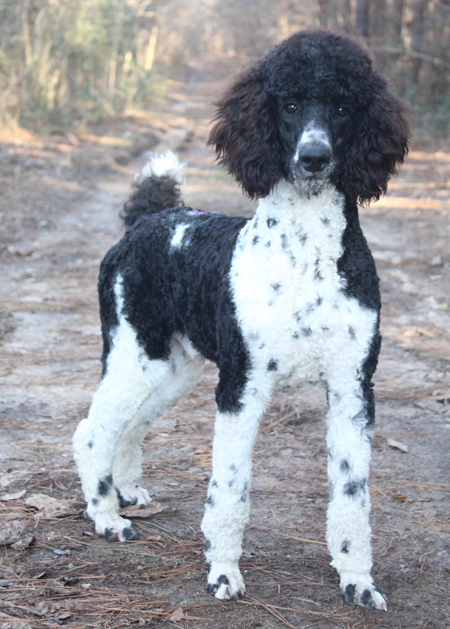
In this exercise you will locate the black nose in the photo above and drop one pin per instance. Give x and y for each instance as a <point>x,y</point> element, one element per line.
<point>314,157</point>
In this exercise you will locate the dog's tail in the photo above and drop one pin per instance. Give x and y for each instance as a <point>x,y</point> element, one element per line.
<point>156,188</point>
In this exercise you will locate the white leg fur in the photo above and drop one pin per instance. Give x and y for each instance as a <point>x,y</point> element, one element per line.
<point>348,528</point>
<point>183,376</point>
<point>131,380</point>
<point>227,508</point>
<point>120,415</point>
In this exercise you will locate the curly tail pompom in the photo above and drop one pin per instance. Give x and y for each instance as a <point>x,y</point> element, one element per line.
<point>157,188</point>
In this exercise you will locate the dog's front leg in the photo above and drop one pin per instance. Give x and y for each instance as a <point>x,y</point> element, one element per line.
<point>350,428</point>
<point>227,506</point>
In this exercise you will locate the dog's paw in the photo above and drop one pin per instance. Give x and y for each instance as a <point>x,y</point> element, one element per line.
<point>132,495</point>
<point>114,528</point>
<point>225,581</point>
<point>359,589</point>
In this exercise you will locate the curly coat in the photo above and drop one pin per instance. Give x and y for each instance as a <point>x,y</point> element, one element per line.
<point>286,298</point>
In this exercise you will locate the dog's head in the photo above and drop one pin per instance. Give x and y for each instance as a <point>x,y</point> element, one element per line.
<point>313,112</point>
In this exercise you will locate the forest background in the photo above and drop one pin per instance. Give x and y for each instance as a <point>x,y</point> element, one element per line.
<point>87,88</point>
<point>65,64</point>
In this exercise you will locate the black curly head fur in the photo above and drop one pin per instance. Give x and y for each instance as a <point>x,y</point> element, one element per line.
<point>313,69</point>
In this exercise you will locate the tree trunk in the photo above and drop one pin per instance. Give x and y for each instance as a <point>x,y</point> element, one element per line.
<point>397,21</point>
<point>417,37</point>
<point>362,18</point>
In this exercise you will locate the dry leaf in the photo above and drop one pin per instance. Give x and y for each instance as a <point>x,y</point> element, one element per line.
<point>16,496</point>
<point>397,444</point>
<point>7,478</point>
<point>177,615</point>
<point>40,501</point>
<point>23,543</point>
<point>50,507</point>
<point>12,531</point>
<point>442,396</point>
<point>142,511</point>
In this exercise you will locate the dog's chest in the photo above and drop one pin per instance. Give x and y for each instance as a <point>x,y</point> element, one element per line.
<point>289,296</point>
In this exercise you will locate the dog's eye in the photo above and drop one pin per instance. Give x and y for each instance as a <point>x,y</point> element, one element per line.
<point>342,111</point>
<point>291,108</point>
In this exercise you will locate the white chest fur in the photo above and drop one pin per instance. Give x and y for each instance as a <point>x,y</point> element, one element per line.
<point>290,304</point>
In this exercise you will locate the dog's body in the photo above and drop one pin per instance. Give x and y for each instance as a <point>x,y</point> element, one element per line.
<point>288,297</point>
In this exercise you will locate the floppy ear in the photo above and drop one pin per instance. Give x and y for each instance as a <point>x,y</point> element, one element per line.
<point>376,144</point>
<point>245,136</point>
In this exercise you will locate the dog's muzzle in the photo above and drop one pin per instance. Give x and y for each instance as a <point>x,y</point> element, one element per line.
<point>314,157</point>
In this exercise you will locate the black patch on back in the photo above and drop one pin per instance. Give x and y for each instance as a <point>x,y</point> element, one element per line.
<point>272,365</point>
<point>164,292</point>
<point>271,222</point>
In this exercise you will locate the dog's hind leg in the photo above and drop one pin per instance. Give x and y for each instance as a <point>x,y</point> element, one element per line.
<point>185,371</point>
<point>129,380</point>
<point>227,507</point>
<point>107,444</point>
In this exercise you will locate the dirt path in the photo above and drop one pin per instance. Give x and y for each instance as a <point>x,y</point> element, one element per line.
<point>58,221</point>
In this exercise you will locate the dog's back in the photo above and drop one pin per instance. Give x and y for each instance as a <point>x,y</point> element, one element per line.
<point>172,266</point>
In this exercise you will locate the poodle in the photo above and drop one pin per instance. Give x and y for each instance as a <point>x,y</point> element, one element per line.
<point>288,297</point>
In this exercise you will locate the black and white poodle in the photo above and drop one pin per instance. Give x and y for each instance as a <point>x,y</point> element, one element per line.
<point>288,297</point>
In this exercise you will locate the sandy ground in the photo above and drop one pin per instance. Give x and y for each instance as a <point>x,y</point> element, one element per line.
<point>59,215</point>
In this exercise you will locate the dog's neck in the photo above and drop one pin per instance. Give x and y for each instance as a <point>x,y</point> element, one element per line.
<point>288,209</point>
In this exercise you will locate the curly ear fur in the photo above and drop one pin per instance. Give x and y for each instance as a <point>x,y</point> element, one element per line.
<point>377,142</point>
<point>246,137</point>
